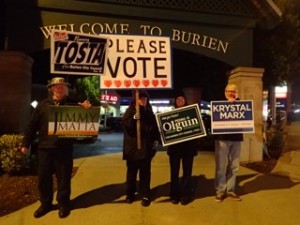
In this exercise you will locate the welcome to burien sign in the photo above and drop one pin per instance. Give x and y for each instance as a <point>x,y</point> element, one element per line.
<point>234,117</point>
<point>180,125</point>
<point>201,40</point>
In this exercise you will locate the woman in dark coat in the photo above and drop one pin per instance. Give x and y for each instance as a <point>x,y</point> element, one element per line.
<point>184,152</point>
<point>139,160</point>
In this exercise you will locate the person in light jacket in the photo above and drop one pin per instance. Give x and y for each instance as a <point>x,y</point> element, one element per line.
<point>227,156</point>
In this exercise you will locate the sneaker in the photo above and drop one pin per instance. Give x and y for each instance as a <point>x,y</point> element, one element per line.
<point>234,196</point>
<point>219,198</point>
<point>145,202</point>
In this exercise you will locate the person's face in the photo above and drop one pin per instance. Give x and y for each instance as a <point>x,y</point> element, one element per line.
<point>230,93</point>
<point>143,101</point>
<point>59,91</point>
<point>180,101</point>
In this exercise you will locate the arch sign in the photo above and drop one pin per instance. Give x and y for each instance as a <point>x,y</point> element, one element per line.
<point>137,62</point>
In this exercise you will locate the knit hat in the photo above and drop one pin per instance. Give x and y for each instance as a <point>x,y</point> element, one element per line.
<point>143,94</point>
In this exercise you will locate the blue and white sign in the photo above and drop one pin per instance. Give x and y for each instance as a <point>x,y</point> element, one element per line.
<point>234,117</point>
<point>78,54</point>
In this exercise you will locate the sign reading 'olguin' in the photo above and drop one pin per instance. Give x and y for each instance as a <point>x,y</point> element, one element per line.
<point>180,125</point>
<point>73,121</point>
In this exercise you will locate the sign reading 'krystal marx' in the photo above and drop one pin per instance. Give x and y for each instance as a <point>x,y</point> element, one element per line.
<point>73,121</point>
<point>137,62</point>
<point>77,53</point>
<point>234,117</point>
<point>180,125</point>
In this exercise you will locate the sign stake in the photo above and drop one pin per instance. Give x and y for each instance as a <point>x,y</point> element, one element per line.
<point>138,122</point>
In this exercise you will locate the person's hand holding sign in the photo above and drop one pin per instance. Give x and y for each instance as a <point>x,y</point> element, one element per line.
<point>86,104</point>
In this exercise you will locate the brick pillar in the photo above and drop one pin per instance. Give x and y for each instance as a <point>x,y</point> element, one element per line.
<point>249,82</point>
<point>15,91</point>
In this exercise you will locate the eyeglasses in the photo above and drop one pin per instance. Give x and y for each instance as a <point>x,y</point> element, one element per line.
<point>230,91</point>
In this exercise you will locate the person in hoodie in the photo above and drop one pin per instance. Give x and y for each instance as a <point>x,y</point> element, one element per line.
<point>181,154</point>
<point>138,161</point>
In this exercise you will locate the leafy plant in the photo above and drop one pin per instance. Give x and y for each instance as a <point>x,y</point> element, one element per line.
<point>88,88</point>
<point>275,138</point>
<point>11,158</point>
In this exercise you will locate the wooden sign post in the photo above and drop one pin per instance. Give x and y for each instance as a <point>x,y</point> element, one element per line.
<point>138,122</point>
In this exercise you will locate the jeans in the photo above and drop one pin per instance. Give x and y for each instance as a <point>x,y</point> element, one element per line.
<point>227,158</point>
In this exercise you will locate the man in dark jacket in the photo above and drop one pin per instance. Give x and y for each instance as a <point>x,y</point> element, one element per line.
<point>227,156</point>
<point>54,153</point>
<point>139,160</point>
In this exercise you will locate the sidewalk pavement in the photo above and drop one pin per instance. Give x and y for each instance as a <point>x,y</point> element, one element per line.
<point>98,197</point>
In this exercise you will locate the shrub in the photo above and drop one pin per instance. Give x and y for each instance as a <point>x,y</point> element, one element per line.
<point>11,158</point>
<point>275,141</point>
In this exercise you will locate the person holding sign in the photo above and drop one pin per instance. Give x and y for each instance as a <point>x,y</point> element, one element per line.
<point>54,153</point>
<point>139,159</point>
<point>184,153</point>
<point>227,156</point>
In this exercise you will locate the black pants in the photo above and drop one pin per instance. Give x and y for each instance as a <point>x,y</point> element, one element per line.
<point>183,188</point>
<point>144,169</point>
<point>59,162</point>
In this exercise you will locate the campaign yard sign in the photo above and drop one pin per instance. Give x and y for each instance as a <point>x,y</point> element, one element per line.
<point>77,53</point>
<point>137,62</point>
<point>72,121</point>
<point>234,117</point>
<point>180,125</point>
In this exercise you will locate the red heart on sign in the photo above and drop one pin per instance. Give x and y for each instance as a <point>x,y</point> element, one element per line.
<point>164,83</point>
<point>155,83</point>
<point>127,83</point>
<point>118,83</point>
<point>107,83</point>
<point>146,83</point>
<point>136,83</point>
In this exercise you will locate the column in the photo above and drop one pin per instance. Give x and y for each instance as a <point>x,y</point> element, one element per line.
<point>249,82</point>
<point>15,91</point>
